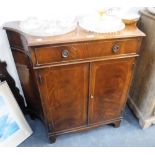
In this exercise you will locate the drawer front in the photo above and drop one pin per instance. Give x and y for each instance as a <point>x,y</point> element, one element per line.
<point>70,52</point>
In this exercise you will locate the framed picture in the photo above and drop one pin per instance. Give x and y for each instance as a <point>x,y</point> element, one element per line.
<point>14,129</point>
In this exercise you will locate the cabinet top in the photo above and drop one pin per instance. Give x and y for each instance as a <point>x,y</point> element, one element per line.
<point>78,35</point>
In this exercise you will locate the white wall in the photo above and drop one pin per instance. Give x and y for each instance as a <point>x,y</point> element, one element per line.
<point>11,10</point>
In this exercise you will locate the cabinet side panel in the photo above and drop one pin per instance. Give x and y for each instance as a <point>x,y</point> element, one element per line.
<point>143,87</point>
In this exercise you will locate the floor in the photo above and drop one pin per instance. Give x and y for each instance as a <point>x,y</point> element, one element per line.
<point>128,134</point>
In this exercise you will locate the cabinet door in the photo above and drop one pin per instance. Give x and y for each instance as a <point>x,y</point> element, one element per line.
<point>64,91</point>
<point>109,87</point>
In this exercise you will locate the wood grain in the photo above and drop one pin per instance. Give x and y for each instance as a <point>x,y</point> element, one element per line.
<point>65,96</point>
<point>110,83</point>
<point>86,89</point>
<point>48,55</point>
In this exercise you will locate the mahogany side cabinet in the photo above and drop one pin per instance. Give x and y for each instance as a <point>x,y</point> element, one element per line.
<point>75,81</point>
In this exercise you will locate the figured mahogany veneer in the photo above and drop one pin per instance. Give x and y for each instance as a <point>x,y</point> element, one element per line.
<point>75,81</point>
<point>47,55</point>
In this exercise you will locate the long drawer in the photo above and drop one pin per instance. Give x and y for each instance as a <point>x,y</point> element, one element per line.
<point>78,51</point>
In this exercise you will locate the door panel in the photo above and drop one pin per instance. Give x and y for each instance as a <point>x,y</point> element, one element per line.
<point>110,83</point>
<point>65,95</point>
